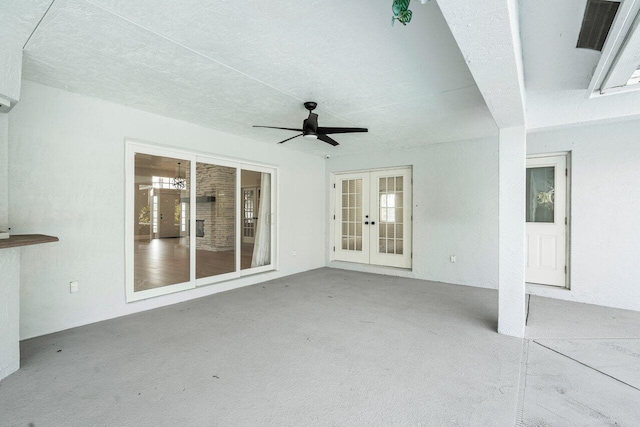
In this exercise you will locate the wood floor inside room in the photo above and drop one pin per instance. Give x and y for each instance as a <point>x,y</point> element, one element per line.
<point>162,262</point>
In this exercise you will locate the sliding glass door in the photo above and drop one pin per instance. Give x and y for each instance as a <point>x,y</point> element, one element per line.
<point>191,220</point>
<point>216,217</point>
<point>257,219</point>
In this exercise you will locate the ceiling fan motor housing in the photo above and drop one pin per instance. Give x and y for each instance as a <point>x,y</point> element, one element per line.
<point>310,125</point>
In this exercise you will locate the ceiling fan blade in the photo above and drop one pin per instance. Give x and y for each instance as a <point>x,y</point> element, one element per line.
<point>328,140</point>
<point>273,127</point>
<point>325,130</point>
<point>289,139</point>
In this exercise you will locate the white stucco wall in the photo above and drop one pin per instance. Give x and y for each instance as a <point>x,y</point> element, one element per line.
<point>605,206</point>
<point>455,209</point>
<point>67,156</point>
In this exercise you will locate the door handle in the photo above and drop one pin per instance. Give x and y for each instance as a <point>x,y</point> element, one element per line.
<point>366,223</point>
<point>373,223</point>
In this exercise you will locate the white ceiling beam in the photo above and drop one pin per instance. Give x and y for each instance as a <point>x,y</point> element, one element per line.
<point>18,21</point>
<point>10,76</point>
<point>488,36</point>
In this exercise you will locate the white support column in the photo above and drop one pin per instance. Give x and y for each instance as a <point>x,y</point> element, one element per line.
<point>9,311</point>
<point>511,289</point>
<point>10,76</point>
<point>4,171</point>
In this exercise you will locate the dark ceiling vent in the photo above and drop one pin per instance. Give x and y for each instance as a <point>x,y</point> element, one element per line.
<point>596,23</point>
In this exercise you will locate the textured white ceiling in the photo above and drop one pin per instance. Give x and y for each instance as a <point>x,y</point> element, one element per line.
<point>488,35</point>
<point>228,65</point>
<point>18,18</point>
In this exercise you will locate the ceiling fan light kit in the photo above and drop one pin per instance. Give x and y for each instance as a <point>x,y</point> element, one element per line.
<point>311,130</point>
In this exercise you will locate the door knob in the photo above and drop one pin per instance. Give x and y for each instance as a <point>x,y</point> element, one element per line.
<point>366,223</point>
<point>373,223</point>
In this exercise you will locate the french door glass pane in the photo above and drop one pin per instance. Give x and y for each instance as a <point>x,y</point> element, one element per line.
<point>161,221</point>
<point>352,215</point>
<point>256,219</point>
<point>540,194</point>
<point>390,196</point>
<point>215,220</point>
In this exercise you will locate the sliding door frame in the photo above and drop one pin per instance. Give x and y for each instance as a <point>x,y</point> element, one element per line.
<point>133,146</point>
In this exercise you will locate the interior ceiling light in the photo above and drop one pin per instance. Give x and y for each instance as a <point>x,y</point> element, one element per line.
<point>401,11</point>
<point>179,182</point>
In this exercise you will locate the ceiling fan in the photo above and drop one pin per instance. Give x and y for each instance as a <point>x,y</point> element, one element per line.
<point>310,128</point>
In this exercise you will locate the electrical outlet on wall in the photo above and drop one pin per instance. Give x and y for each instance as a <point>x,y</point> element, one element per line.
<point>452,258</point>
<point>73,287</point>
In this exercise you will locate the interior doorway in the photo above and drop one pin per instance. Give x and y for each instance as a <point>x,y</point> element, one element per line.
<point>547,220</point>
<point>250,200</point>
<point>373,217</point>
<point>169,213</point>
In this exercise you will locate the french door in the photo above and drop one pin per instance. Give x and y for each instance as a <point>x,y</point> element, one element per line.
<point>546,220</point>
<point>249,214</point>
<point>373,217</point>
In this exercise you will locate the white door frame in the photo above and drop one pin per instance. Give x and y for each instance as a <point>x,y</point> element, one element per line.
<point>368,175</point>
<point>549,159</point>
<point>133,146</point>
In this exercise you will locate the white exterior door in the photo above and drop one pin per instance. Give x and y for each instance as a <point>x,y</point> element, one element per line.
<point>546,220</point>
<point>373,217</point>
<point>352,217</point>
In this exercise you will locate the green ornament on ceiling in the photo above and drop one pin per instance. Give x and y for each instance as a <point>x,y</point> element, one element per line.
<point>401,12</point>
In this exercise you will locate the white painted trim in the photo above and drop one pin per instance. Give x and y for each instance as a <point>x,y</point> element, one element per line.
<point>626,14</point>
<point>274,217</point>
<point>133,146</point>
<point>239,223</point>
<point>193,209</point>
<point>212,280</point>
<point>386,168</point>
<point>130,151</point>
<point>199,153</point>
<point>333,215</point>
